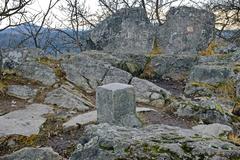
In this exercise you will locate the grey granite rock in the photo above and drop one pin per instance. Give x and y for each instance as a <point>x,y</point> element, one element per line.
<point>187,30</point>
<point>115,104</point>
<point>149,93</point>
<point>205,111</point>
<point>63,98</point>
<point>12,58</point>
<point>214,129</point>
<point>38,72</point>
<point>88,73</point>
<point>21,91</point>
<point>173,67</point>
<point>210,74</point>
<point>104,141</point>
<point>28,153</point>
<point>126,31</point>
<point>24,122</point>
<point>115,75</point>
<point>84,71</point>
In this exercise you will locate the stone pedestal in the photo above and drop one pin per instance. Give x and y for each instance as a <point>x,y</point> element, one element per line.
<point>116,105</point>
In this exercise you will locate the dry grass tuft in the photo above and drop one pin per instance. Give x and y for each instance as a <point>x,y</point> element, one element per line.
<point>210,49</point>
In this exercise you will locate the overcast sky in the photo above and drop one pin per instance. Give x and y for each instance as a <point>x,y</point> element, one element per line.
<point>42,5</point>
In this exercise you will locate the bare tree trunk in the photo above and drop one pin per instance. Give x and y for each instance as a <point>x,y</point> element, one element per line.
<point>144,5</point>
<point>157,12</point>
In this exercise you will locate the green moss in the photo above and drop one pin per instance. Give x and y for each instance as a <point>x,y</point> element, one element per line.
<point>219,108</point>
<point>202,84</point>
<point>106,146</point>
<point>186,148</point>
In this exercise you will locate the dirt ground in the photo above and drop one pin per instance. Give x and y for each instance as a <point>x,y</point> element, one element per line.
<point>9,104</point>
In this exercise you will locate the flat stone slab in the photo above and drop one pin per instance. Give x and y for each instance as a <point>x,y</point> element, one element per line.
<point>214,129</point>
<point>28,153</point>
<point>86,118</point>
<point>21,91</point>
<point>24,122</point>
<point>38,72</point>
<point>63,98</point>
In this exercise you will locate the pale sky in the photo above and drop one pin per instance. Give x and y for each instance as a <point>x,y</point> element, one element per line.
<point>42,5</point>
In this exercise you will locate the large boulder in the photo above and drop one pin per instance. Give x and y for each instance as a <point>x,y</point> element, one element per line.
<point>186,30</point>
<point>126,31</point>
<point>88,73</point>
<point>153,142</point>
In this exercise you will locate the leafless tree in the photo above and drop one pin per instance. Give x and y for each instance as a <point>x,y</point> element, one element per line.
<point>34,24</point>
<point>227,16</point>
<point>10,9</point>
<point>76,19</point>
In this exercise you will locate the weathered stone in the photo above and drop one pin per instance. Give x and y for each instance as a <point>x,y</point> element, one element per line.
<point>115,104</point>
<point>115,75</point>
<point>63,98</point>
<point>186,30</point>
<point>201,110</point>
<point>210,74</point>
<point>215,129</point>
<point>89,73</point>
<point>84,71</point>
<point>22,92</point>
<point>103,56</point>
<point>126,31</point>
<point>12,58</point>
<point>151,142</point>
<point>24,122</point>
<point>1,64</point>
<point>238,90</point>
<point>33,154</point>
<point>38,72</point>
<point>149,93</point>
<point>173,67</point>
<point>89,117</point>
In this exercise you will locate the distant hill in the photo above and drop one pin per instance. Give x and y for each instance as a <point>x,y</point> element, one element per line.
<point>50,39</point>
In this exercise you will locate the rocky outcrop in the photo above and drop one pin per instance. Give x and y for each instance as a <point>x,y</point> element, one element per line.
<point>33,154</point>
<point>126,31</point>
<point>187,30</point>
<point>153,142</point>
